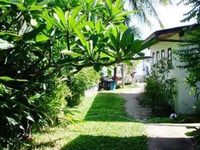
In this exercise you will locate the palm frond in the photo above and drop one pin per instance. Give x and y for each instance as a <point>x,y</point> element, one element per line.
<point>146,8</point>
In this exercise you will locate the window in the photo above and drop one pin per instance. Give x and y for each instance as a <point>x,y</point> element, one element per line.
<point>169,56</point>
<point>153,58</point>
<point>157,56</point>
<point>163,53</point>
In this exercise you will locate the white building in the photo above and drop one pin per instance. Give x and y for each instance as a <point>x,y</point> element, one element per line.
<point>165,42</point>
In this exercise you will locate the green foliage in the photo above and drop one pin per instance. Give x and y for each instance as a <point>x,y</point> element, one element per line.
<point>50,40</point>
<point>52,102</point>
<point>189,56</point>
<point>79,83</point>
<point>159,90</point>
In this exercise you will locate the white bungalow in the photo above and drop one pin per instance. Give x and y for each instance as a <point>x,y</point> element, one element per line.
<point>165,42</point>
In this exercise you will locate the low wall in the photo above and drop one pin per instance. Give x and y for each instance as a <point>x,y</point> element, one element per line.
<point>90,92</point>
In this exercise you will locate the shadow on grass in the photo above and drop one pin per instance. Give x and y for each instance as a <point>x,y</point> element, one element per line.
<point>51,143</point>
<point>88,142</point>
<point>107,107</point>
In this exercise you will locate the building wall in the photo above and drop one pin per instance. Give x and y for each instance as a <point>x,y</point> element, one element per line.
<point>183,101</point>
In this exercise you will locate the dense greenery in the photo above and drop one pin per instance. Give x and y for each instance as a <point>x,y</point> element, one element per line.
<point>160,89</point>
<point>190,58</point>
<point>81,82</point>
<point>101,124</point>
<point>189,55</point>
<point>45,42</point>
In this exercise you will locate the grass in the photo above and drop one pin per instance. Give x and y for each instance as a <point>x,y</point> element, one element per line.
<point>102,125</point>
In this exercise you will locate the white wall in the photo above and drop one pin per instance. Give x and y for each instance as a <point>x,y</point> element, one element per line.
<point>183,101</point>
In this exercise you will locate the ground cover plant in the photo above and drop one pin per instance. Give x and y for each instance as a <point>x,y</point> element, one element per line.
<point>101,123</point>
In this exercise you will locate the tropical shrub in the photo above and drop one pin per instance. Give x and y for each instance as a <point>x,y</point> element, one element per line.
<point>79,83</point>
<point>43,42</point>
<point>52,102</point>
<point>189,56</point>
<point>159,90</point>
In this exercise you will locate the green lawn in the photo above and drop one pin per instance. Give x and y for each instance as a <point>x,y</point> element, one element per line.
<point>102,125</point>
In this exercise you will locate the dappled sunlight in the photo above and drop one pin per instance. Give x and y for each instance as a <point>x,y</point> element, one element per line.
<point>107,107</point>
<point>119,129</point>
<point>101,124</point>
<point>53,139</point>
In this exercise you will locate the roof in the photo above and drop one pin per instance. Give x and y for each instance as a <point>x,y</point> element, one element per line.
<point>156,36</point>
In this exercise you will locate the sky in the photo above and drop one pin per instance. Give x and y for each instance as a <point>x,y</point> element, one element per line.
<point>170,16</point>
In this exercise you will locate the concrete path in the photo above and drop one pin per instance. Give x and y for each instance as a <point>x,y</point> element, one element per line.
<point>168,137</point>
<point>132,106</point>
<point>160,136</point>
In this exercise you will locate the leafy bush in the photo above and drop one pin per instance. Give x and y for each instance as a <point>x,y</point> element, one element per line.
<point>159,89</point>
<point>39,41</point>
<point>20,111</point>
<point>16,115</point>
<point>52,102</point>
<point>82,81</point>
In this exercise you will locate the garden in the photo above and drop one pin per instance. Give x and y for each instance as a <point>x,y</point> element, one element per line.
<point>51,52</point>
<point>99,122</point>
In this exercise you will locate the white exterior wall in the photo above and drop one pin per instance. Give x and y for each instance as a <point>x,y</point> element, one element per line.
<point>183,101</point>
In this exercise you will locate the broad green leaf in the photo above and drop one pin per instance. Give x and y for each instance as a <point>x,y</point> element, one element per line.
<point>75,11</point>
<point>61,15</point>
<point>123,14</point>
<point>137,46</point>
<point>72,23</point>
<point>118,3</point>
<point>109,3</point>
<point>98,26</point>
<point>81,37</point>
<point>34,97</point>
<point>19,4</point>
<point>41,38</point>
<point>115,11</point>
<point>36,7</point>
<point>114,40</point>
<point>49,20</point>
<point>6,78</point>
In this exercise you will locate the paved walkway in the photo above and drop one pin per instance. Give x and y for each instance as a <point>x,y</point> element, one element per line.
<point>160,136</point>
<point>132,106</point>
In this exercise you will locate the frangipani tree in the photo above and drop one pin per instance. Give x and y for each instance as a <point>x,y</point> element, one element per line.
<point>55,39</point>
